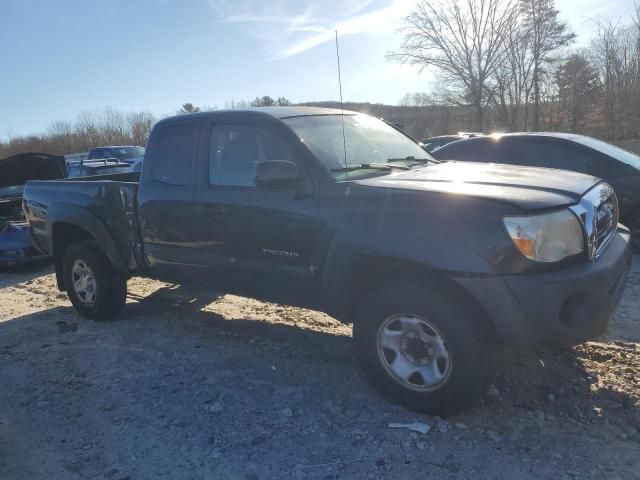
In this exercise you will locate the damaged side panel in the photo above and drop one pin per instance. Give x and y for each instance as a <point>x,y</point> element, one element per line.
<point>105,210</point>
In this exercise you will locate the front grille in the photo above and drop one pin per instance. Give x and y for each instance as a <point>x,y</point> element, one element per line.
<point>598,212</point>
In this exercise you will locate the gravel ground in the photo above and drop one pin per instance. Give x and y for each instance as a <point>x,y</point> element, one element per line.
<point>189,385</point>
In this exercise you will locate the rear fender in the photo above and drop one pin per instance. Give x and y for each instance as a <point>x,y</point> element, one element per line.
<point>65,213</point>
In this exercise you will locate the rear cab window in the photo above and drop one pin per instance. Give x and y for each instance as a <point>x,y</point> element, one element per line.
<point>173,154</point>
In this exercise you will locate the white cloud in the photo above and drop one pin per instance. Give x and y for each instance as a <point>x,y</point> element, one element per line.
<point>286,31</point>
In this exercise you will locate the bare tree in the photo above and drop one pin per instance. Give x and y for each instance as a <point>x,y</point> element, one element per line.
<point>546,35</point>
<point>139,126</point>
<point>512,86</point>
<point>417,99</point>
<point>236,105</point>
<point>90,129</point>
<point>615,52</point>
<point>463,39</point>
<point>112,126</point>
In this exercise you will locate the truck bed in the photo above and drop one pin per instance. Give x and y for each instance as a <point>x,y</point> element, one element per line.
<point>105,206</point>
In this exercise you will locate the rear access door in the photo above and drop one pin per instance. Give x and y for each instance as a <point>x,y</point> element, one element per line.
<point>166,204</point>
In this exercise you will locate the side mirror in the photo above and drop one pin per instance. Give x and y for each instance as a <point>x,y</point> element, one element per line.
<point>277,174</point>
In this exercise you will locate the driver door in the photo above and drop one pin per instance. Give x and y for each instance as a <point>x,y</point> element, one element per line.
<point>262,239</point>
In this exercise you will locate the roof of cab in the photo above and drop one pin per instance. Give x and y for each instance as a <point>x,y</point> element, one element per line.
<point>277,112</point>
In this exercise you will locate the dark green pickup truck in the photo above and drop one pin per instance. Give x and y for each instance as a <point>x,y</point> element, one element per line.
<point>432,262</point>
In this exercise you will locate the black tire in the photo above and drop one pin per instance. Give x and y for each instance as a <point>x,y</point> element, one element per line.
<point>465,342</point>
<point>109,287</point>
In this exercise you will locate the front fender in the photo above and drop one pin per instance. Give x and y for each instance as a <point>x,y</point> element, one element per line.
<point>432,252</point>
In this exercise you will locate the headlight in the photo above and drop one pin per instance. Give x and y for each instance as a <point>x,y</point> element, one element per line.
<point>549,237</point>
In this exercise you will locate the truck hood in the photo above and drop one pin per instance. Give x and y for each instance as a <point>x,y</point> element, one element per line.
<point>18,169</point>
<point>528,188</point>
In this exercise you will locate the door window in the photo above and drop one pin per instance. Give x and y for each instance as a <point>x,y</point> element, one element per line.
<point>234,151</point>
<point>484,149</point>
<point>550,153</point>
<point>173,154</point>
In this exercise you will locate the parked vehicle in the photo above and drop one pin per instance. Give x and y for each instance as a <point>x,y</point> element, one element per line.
<point>15,243</point>
<point>432,262</point>
<point>88,168</point>
<point>137,165</point>
<point>126,153</point>
<point>430,144</point>
<point>618,167</point>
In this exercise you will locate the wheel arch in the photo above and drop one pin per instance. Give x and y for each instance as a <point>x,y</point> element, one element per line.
<point>361,260</point>
<point>70,224</point>
<point>371,272</point>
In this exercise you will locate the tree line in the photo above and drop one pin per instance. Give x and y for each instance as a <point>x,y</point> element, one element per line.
<point>109,127</point>
<point>90,129</point>
<point>509,65</point>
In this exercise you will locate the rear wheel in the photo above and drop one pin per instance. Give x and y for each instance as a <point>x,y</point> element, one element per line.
<point>421,350</point>
<point>94,287</point>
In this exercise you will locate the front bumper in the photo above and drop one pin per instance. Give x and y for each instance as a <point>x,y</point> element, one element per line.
<point>560,308</point>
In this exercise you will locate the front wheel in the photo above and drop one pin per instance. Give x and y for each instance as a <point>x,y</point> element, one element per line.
<point>95,289</point>
<point>421,350</point>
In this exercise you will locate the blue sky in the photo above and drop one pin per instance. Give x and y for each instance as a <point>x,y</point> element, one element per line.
<point>60,57</point>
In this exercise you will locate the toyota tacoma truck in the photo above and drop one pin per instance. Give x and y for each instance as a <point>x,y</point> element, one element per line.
<point>433,263</point>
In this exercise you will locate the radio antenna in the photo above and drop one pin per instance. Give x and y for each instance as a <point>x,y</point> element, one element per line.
<point>344,138</point>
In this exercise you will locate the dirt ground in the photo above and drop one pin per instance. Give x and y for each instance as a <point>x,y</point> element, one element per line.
<point>194,386</point>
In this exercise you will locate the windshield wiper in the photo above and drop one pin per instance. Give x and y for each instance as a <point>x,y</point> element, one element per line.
<point>371,166</point>
<point>410,158</point>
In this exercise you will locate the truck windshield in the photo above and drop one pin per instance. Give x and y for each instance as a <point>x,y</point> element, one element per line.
<point>369,141</point>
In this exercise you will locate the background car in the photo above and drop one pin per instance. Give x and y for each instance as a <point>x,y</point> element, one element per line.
<point>579,153</point>
<point>15,243</point>
<point>430,144</point>
<point>86,168</point>
<point>124,153</point>
<point>137,165</point>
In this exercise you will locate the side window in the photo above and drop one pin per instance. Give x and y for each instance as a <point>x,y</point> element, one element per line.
<point>173,154</point>
<point>520,151</point>
<point>578,159</point>
<point>606,166</point>
<point>551,153</point>
<point>531,152</point>
<point>471,150</point>
<point>234,151</point>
